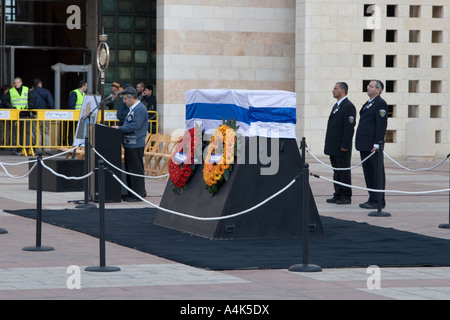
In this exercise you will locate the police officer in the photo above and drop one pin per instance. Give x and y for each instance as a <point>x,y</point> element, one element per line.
<point>338,142</point>
<point>371,130</point>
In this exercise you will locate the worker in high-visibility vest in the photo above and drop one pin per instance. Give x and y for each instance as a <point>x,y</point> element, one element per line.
<point>76,97</point>
<point>20,98</point>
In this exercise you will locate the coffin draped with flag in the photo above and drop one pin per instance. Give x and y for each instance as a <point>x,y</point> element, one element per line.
<point>267,121</point>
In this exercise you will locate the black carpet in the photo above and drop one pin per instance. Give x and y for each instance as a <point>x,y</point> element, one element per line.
<point>347,243</point>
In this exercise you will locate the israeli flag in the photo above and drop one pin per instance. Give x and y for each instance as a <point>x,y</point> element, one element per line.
<point>265,113</point>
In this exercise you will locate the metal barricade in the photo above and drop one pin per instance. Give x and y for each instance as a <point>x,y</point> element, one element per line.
<point>28,130</point>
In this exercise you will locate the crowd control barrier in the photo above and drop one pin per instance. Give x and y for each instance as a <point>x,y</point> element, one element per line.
<point>28,130</point>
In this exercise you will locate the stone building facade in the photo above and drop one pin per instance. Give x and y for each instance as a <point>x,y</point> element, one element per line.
<point>307,46</point>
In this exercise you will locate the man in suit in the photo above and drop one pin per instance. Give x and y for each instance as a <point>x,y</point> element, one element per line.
<point>371,131</point>
<point>338,142</point>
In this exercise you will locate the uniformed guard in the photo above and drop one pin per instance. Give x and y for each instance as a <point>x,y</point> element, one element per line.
<point>339,141</point>
<point>371,131</point>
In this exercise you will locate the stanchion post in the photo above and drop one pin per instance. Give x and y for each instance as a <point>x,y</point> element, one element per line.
<point>305,266</point>
<point>379,212</point>
<point>86,205</point>
<point>303,148</point>
<point>101,198</point>
<point>38,246</point>
<point>447,225</point>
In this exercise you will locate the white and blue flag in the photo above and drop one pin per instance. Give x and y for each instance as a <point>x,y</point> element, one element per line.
<point>266,113</point>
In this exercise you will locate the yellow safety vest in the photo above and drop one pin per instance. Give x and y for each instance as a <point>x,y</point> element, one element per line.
<point>19,101</point>
<point>80,98</point>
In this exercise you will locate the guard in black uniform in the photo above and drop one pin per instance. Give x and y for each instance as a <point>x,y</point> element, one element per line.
<point>338,142</point>
<point>371,130</point>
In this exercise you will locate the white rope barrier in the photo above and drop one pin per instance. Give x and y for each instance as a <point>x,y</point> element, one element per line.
<point>17,177</point>
<point>128,173</point>
<point>66,177</point>
<point>340,169</point>
<point>377,190</point>
<point>211,218</point>
<point>416,170</point>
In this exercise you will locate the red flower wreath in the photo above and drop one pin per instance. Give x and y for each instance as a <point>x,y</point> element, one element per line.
<point>181,171</point>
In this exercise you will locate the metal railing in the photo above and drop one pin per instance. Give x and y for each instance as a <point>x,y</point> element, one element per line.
<point>27,130</point>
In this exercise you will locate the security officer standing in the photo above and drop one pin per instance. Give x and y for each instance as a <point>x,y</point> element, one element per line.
<point>338,142</point>
<point>19,98</point>
<point>372,130</point>
<point>76,98</point>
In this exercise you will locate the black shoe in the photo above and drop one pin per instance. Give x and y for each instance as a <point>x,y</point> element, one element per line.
<point>132,199</point>
<point>344,201</point>
<point>365,204</point>
<point>373,205</point>
<point>332,200</point>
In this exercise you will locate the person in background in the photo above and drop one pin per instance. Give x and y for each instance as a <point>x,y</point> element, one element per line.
<point>76,98</point>
<point>19,97</point>
<point>114,98</point>
<point>5,126</point>
<point>140,89</point>
<point>43,99</point>
<point>122,109</point>
<point>134,132</point>
<point>149,101</point>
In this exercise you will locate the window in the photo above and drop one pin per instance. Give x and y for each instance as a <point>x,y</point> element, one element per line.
<point>438,137</point>
<point>391,110</point>
<point>414,11</point>
<point>435,111</point>
<point>413,86</point>
<point>391,35</point>
<point>438,12</point>
<point>391,10</point>
<point>436,36</point>
<point>413,111</point>
<point>390,136</point>
<point>391,86</point>
<point>436,61</point>
<point>367,60</point>
<point>368,35</point>
<point>436,86</point>
<point>131,29</point>
<point>391,61</point>
<point>413,61</point>
<point>414,36</point>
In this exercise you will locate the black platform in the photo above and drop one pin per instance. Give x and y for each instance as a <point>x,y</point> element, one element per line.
<point>279,218</point>
<point>52,183</point>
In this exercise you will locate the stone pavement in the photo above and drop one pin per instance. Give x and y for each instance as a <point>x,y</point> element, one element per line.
<point>56,274</point>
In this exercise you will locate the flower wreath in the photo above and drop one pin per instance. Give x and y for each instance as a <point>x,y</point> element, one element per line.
<point>181,170</point>
<point>217,167</point>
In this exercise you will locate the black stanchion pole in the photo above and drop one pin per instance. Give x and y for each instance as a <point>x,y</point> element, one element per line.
<point>305,266</point>
<point>86,205</point>
<point>38,246</point>
<point>447,225</point>
<point>303,148</point>
<point>101,198</point>
<point>379,212</point>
